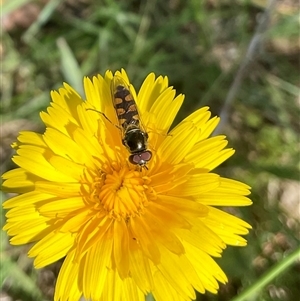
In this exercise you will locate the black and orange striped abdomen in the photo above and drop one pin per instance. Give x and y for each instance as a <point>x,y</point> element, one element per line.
<point>124,104</point>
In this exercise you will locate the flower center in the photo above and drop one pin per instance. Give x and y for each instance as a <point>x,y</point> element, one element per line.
<point>121,194</point>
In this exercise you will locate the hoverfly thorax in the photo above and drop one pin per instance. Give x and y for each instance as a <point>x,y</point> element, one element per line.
<point>135,139</point>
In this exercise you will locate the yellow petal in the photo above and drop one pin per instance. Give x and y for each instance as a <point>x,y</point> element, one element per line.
<point>121,252</point>
<point>31,138</point>
<point>67,282</point>
<point>93,231</point>
<point>19,181</point>
<point>96,267</point>
<point>140,268</point>
<point>27,199</point>
<point>165,109</point>
<point>58,189</point>
<point>36,163</point>
<point>197,185</point>
<point>183,206</point>
<point>150,91</point>
<point>74,152</point>
<point>179,143</point>
<point>203,238</point>
<point>227,227</point>
<point>142,234</point>
<point>32,230</point>
<point>61,207</point>
<point>207,269</point>
<point>164,290</point>
<point>51,248</point>
<point>170,266</point>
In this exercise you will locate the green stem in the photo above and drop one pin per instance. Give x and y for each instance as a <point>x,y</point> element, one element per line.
<point>251,292</point>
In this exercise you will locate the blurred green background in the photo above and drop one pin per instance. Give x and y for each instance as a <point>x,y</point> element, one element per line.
<point>241,58</point>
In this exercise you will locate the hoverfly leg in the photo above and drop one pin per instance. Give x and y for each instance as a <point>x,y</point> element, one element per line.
<point>117,126</point>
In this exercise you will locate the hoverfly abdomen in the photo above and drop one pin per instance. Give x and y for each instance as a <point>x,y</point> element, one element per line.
<point>125,106</point>
<point>135,138</point>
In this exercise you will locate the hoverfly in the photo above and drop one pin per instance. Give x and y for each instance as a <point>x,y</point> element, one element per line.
<point>135,138</point>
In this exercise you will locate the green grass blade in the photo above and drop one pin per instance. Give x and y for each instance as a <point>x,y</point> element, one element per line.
<point>251,292</point>
<point>69,66</point>
<point>43,17</point>
<point>12,5</point>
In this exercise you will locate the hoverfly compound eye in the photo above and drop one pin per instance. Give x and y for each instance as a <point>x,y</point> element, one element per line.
<point>146,156</point>
<point>141,158</point>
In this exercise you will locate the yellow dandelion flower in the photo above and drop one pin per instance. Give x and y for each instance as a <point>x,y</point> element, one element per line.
<point>125,228</point>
